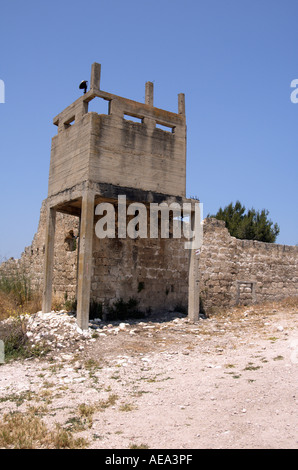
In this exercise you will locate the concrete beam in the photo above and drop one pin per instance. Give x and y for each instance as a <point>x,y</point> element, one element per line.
<point>85,260</point>
<point>49,260</point>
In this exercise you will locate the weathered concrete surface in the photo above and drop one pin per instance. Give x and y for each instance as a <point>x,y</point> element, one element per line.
<point>85,260</point>
<point>49,260</point>
<point>115,150</point>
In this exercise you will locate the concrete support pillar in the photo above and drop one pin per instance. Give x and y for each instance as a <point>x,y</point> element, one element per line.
<point>81,110</point>
<point>49,260</point>
<point>95,76</point>
<point>193,281</point>
<point>85,260</point>
<point>181,103</point>
<point>116,109</point>
<point>149,93</point>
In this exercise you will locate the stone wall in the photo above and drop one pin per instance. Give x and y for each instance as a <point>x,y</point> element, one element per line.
<point>65,260</point>
<point>237,271</point>
<point>155,271</point>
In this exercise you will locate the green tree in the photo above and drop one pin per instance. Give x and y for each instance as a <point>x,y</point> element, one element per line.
<point>250,225</point>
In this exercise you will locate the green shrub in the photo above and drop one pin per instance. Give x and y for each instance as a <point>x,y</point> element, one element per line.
<point>141,286</point>
<point>180,308</point>
<point>122,310</point>
<point>95,310</point>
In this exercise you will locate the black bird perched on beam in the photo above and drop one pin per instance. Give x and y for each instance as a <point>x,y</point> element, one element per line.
<point>83,86</point>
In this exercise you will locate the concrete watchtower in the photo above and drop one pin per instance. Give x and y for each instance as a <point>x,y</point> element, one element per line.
<point>96,157</point>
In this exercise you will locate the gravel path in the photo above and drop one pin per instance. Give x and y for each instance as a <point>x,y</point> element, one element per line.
<point>229,381</point>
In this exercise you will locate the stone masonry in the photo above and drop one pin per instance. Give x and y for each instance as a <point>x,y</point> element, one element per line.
<point>234,271</point>
<point>120,269</point>
<point>231,271</point>
<point>31,262</point>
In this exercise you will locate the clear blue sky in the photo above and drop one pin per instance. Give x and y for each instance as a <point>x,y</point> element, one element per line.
<point>233,59</point>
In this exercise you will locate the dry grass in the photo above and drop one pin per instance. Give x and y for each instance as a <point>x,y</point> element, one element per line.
<point>85,412</point>
<point>58,302</point>
<point>290,302</point>
<point>10,307</point>
<point>28,431</point>
<point>7,305</point>
<point>16,342</point>
<point>254,312</point>
<point>138,446</point>
<point>287,303</point>
<point>14,337</point>
<point>127,407</point>
<point>103,404</point>
<point>17,297</point>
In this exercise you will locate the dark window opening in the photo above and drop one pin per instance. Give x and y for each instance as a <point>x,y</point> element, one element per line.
<point>69,122</point>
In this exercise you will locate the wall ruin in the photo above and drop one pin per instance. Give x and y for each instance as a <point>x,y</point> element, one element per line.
<point>153,271</point>
<point>232,271</point>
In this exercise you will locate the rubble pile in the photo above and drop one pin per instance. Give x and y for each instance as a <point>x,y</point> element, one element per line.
<point>59,330</point>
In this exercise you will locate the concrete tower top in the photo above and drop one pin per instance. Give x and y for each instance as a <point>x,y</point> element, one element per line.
<point>114,149</point>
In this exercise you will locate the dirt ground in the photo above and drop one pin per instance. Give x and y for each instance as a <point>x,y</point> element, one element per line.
<point>225,382</point>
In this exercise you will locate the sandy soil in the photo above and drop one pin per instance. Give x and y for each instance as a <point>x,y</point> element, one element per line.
<point>229,381</point>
